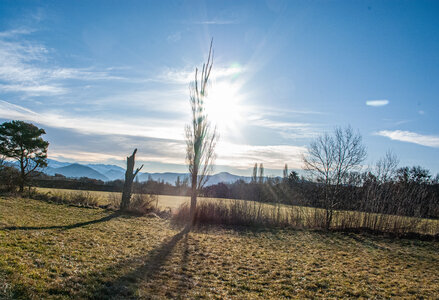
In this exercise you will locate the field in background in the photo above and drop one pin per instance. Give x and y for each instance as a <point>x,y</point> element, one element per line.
<point>58,251</point>
<point>287,215</point>
<point>164,202</point>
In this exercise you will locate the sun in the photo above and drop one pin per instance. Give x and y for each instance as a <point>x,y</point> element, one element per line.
<point>224,105</point>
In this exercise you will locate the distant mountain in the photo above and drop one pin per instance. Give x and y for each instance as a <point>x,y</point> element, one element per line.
<point>102,168</point>
<point>112,172</point>
<point>172,177</point>
<point>76,171</point>
<point>51,163</point>
<point>226,178</point>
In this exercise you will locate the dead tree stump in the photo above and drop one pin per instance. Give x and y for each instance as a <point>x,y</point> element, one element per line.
<point>130,174</point>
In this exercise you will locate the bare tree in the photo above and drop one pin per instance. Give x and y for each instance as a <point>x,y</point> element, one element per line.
<point>130,174</point>
<point>330,158</point>
<point>386,167</point>
<point>200,137</point>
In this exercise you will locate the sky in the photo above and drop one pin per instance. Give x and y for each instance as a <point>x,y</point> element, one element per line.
<point>105,77</point>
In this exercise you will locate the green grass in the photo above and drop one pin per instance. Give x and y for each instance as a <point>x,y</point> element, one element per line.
<point>59,252</point>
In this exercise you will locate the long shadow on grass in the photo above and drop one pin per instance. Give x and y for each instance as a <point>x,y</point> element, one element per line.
<point>64,227</point>
<point>125,286</point>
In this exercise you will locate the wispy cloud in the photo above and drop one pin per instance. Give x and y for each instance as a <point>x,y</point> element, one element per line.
<point>24,67</point>
<point>33,90</point>
<point>15,32</point>
<point>411,137</point>
<point>273,156</point>
<point>377,102</point>
<point>186,75</point>
<point>142,127</point>
<point>288,130</point>
<point>160,140</point>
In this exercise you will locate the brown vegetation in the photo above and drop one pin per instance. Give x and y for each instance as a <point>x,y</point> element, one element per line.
<point>62,252</point>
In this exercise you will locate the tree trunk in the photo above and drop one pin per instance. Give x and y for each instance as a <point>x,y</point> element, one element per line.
<point>193,200</point>
<point>22,176</point>
<point>128,184</point>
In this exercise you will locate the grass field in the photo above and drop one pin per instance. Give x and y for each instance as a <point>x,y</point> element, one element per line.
<point>164,202</point>
<point>422,226</point>
<point>58,251</point>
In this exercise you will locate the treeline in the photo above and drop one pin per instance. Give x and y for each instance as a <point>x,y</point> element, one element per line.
<point>58,181</point>
<point>405,191</point>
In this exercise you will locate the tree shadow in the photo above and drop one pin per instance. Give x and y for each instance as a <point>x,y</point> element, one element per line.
<point>184,283</point>
<point>125,287</point>
<point>64,227</point>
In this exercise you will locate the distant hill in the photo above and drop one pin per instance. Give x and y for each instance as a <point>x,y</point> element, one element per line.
<point>112,172</point>
<point>76,171</point>
<point>115,174</point>
<point>51,163</point>
<point>226,178</point>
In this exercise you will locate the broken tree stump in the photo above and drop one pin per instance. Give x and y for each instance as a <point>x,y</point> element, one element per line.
<point>130,174</point>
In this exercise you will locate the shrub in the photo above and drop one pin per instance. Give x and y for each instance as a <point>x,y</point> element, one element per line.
<point>142,204</point>
<point>77,198</point>
<point>114,200</point>
<point>82,198</point>
<point>9,178</point>
<point>234,212</point>
<point>252,213</point>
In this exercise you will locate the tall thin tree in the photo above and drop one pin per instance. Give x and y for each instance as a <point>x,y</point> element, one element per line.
<point>201,138</point>
<point>255,173</point>
<point>261,173</point>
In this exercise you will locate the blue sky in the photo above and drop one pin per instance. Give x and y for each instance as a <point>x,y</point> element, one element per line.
<point>104,77</point>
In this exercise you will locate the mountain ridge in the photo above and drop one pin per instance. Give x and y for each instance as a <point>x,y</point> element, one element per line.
<point>108,172</point>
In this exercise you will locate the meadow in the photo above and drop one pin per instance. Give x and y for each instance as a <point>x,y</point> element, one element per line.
<point>53,251</point>
<point>280,214</point>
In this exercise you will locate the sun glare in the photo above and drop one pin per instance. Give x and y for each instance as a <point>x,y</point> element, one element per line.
<point>224,105</point>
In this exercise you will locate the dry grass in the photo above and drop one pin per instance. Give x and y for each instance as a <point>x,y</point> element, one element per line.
<point>103,198</point>
<point>297,216</point>
<point>250,213</point>
<point>57,251</point>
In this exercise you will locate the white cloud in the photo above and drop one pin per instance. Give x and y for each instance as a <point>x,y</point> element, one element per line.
<point>411,137</point>
<point>186,75</point>
<point>163,140</point>
<point>145,127</point>
<point>377,102</point>
<point>273,156</point>
<point>288,130</point>
<point>15,32</point>
<point>33,90</point>
<point>23,67</point>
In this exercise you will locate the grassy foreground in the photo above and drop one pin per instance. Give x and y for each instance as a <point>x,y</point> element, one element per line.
<point>58,251</point>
